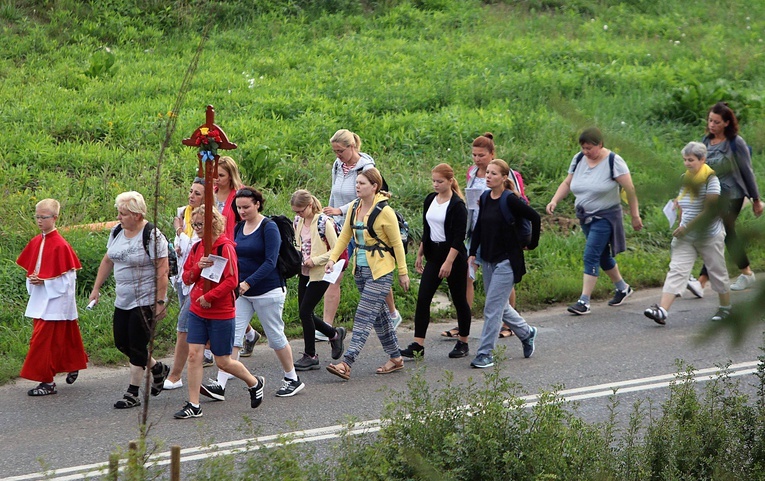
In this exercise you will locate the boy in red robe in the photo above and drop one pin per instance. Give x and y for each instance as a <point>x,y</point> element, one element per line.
<point>51,265</point>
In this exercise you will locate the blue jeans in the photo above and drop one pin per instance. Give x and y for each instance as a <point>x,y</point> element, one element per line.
<point>498,281</point>
<point>597,250</point>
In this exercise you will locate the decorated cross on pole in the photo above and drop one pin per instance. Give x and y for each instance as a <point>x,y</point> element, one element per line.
<point>208,138</point>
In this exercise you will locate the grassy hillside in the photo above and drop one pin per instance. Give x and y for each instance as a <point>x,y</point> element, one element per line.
<point>87,88</point>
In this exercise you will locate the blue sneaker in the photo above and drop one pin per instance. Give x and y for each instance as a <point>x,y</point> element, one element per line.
<point>528,343</point>
<point>482,361</point>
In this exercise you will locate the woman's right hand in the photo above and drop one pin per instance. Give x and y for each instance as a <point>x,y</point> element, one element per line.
<point>332,211</point>
<point>418,266</point>
<point>328,266</point>
<point>551,207</point>
<point>94,295</point>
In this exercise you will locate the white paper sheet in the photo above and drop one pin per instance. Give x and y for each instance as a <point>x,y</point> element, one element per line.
<point>670,211</point>
<point>473,196</point>
<point>335,274</point>
<point>215,271</point>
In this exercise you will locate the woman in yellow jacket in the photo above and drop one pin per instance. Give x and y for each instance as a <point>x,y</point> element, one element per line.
<point>376,257</point>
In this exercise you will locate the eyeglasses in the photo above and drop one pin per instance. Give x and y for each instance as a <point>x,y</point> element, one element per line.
<point>339,152</point>
<point>44,217</point>
<point>245,193</point>
<point>197,225</point>
<point>300,211</point>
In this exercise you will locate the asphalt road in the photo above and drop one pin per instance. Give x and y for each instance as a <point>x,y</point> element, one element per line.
<point>71,433</point>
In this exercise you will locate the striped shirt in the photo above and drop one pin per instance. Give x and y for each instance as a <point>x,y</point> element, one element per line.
<point>691,208</point>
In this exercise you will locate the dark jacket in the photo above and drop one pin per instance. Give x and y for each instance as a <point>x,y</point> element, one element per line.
<point>455,225</point>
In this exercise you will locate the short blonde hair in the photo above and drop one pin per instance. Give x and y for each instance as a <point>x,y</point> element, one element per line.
<point>51,205</point>
<point>218,222</point>
<point>131,201</point>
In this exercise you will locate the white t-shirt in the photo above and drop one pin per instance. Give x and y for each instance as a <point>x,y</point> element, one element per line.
<point>436,217</point>
<point>134,272</point>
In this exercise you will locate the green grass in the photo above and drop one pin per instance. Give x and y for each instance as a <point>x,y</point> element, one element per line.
<point>87,87</point>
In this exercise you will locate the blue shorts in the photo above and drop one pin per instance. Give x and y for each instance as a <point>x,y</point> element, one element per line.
<point>220,333</point>
<point>183,314</point>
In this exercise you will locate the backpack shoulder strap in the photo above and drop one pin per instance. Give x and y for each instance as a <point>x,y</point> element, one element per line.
<point>373,217</point>
<point>352,211</point>
<point>147,230</point>
<point>116,230</point>
<point>611,159</point>
<point>578,159</point>
<point>321,226</point>
<point>503,204</point>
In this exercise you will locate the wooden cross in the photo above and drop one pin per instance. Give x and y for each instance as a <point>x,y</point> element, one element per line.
<point>208,138</point>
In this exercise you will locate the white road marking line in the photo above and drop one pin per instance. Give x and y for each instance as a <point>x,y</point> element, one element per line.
<point>365,427</point>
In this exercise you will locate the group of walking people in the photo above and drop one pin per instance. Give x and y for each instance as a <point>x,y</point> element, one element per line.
<point>358,227</point>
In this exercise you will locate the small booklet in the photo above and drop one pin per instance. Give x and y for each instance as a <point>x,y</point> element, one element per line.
<point>215,271</point>
<point>473,197</point>
<point>670,211</point>
<point>337,269</point>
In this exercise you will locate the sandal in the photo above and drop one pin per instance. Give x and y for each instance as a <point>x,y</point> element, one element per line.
<point>43,389</point>
<point>128,401</point>
<point>453,332</point>
<point>391,366</point>
<point>72,376</point>
<point>342,369</point>
<point>505,332</point>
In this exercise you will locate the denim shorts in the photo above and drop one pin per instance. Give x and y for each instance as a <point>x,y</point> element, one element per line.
<point>220,333</point>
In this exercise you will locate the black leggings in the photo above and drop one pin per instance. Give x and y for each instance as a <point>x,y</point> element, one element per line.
<point>730,209</point>
<point>309,295</point>
<point>429,283</point>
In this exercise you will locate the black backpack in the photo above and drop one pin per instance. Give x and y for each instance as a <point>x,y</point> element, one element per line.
<point>290,260</point>
<point>172,258</point>
<point>403,225</point>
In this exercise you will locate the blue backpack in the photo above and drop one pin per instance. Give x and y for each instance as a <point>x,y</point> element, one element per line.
<point>522,228</point>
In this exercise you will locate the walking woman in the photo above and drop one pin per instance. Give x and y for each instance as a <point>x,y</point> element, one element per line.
<point>700,233</point>
<point>262,289</point>
<point>211,316</point>
<point>444,220</point>
<point>185,237</point>
<point>502,260</point>
<point>140,275</point>
<point>317,235</point>
<point>595,177</point>
<point>375,262</point>
<point>728,155</point>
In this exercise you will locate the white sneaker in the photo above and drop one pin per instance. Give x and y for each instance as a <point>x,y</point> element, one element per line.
<point>396,320</point>
<point>695,287</point>
<point>320,337</point>
<point>170,385</point>
<point>743,282</point>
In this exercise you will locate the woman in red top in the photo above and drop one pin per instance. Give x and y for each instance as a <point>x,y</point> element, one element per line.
<point>211,315</point>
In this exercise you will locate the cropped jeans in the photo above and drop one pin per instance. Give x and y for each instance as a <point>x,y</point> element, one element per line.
<point>597,250</point>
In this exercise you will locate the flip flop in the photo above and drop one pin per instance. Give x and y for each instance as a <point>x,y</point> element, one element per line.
<point>453,332</point>
<point>505,332</point>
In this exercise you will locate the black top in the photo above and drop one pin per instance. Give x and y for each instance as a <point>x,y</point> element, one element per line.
<point>455,225</point>
<point>498,240</point>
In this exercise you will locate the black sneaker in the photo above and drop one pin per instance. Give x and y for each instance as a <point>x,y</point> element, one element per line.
<point>290,387</point>
<point>460,350</point>
<point>256,392</point>
<point>188,411</point>
<point>307,363</point>
<point>528,343</point>
<point>580,308</point>
<point>158,383</point>
<point>249,345</point>
<point>657,314</point>
<point>720,315</point>
<point>620,296</point>
<point>213,390</point>
<point>413,351</point>
<point>208,361</point>
<point>338,344</point>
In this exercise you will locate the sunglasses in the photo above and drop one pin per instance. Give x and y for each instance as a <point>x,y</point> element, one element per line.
<point>197,225</point>
<point>245,193</point>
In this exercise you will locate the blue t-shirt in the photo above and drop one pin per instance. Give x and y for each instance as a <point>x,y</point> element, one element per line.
<point>257,253</point>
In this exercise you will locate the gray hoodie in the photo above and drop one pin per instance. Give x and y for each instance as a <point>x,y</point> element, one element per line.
<point>344,186</point>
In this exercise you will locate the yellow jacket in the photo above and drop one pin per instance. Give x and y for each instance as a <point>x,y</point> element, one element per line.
<point>386,228</point>
<point>319,251</point>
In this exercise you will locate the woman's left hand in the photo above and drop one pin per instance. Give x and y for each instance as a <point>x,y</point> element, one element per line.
<point>637,223</point>
<point>404,282</point>
<point>308,262</point>
<point>757,207</point>
<point>680,231</point>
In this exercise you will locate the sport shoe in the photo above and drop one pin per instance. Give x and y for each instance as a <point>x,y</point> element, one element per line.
<point>620,296</point>
<point>290,387</point>
<point>256,392</point>
<point>743,282</point>
<point>695,287</point>
<point>43,389</point>
<point>528,343</point>
<point>249,345</point>
<point>307,363</point>
<point>461,349</point>
<point>213,390</point>
<point>657,314</point>
<point>396,320</point>
<point>320,337</point>
<point>413,351</point>
<point>208,361</point>
<point>721,314</point>
<point>188,411</point>
<point>158,381</point>
<point>482,361</point>
<point>338,344</point>
<point>580,308</point>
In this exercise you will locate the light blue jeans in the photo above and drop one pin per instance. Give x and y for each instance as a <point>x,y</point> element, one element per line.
<point>498,281</point>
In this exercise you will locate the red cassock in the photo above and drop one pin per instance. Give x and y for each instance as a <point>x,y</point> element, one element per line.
<point>56,344</point>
